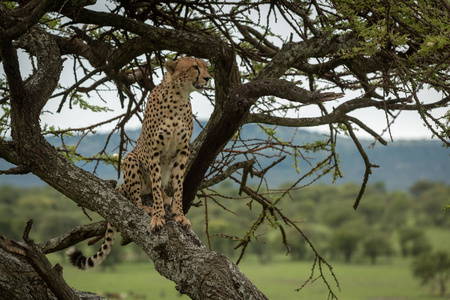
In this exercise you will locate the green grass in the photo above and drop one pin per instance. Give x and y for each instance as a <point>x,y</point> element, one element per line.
<point>126,278</point>
<point>357,281</point>
<point>278,280</point>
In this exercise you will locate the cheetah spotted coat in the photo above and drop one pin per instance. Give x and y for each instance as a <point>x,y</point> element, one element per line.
<point>161,153</point>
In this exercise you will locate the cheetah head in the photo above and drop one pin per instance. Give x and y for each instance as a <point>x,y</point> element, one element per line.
<point>191,73</point>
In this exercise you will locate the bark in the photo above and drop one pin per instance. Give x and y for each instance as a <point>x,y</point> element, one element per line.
<point>178,255</point>
<point>19,280</point>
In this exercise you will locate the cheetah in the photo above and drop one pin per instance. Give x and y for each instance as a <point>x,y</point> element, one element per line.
<point>161,153</point>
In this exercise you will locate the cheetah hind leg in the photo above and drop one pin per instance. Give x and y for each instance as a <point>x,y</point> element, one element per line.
<point>136,200</point>
<point>136,181</point>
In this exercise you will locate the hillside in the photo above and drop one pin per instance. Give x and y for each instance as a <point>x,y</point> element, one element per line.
<point>401,163</point>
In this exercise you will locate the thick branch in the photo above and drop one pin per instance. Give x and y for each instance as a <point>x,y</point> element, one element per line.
<point>51,275</point>
<point>151,37</point>
<point>72,237</point>
<point>291,54</point>
<point>19,280</point>
<point>287,90</point>
<point>221,128</point>
<point>339,113</point>
<point>42,83</point>
<point>9,153</point>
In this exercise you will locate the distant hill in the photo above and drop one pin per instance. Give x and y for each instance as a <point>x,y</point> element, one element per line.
<point>402,163</point>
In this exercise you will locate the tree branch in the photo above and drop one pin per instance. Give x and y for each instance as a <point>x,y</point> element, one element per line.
<point>31,252</point>
<point>225,174</point>
<point>72,237</point>
<point>367,164</point>
<point>287,90</point>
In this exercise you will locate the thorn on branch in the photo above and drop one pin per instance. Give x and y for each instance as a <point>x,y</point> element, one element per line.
<point>85,213</point>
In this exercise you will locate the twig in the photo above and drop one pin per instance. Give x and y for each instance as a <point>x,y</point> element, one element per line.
<point>367,164</point>
<point>207,224</point>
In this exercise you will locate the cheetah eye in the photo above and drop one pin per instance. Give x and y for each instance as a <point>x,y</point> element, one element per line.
<point>195,68</point>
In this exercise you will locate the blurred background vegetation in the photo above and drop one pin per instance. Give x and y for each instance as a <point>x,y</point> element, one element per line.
<point>391,228</point>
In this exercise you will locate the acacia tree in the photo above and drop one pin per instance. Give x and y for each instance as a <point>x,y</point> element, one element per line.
<point>433,268</point>
<point>383,52</point>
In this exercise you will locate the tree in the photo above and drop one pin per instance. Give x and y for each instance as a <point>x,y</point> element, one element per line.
<point>378,55</point>
<point>413,241</point>
<point>433,268</point>
<point>375,245</point>
<point>345,241</point>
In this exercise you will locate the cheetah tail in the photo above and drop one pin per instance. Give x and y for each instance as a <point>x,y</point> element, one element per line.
<point>77,258</point>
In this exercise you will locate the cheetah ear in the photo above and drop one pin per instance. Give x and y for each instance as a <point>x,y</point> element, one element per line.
<point>170,66</point>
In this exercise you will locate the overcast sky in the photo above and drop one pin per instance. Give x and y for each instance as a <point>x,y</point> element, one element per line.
<point>407,126</point>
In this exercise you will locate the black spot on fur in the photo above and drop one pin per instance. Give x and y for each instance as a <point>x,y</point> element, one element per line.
<point>90,262</point>
<point>77,259</point>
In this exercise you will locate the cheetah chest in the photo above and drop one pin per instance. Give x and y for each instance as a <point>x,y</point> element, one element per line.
<point>174,139</point>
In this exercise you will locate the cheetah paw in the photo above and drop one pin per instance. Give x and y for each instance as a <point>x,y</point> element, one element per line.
<point>183,221</point>
<point>157,223</point>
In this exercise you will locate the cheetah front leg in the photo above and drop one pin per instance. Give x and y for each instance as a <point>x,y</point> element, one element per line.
<point>157,193</point>
<point>178,171</point>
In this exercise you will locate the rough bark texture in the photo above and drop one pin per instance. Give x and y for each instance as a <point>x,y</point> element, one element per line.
<point>19,280</point>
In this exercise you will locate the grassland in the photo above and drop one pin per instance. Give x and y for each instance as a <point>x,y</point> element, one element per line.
<point>388,280</point>
<point>329,211</point>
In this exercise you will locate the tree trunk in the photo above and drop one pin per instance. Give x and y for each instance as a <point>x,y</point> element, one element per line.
<point>177,254</point>
<point>442,286</point>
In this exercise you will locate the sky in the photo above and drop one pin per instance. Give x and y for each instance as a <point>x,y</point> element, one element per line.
<point>408,125</point>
